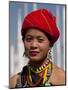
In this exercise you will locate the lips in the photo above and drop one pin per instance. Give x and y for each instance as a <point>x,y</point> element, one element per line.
<point>33,53</point>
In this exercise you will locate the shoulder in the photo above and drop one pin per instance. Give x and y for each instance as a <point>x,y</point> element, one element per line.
<point>58,76</point>
<point>13,81</point>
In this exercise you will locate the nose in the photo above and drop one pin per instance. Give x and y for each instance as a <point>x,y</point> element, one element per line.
<point>34,44</point>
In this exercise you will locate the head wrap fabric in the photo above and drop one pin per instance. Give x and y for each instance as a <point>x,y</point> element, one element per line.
<point>41,19</point>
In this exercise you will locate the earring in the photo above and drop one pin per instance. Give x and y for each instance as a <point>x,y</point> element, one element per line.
<point>24,54</point>
<point>49,56</point>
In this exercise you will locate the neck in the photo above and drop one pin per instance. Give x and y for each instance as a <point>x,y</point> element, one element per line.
<point>36,65</point>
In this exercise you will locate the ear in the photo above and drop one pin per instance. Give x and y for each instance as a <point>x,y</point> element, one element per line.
<point>51,45</point>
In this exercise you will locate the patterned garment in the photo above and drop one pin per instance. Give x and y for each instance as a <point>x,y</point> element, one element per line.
<point>24,82</point>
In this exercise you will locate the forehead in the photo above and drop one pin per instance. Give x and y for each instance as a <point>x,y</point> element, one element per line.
<point>35,32</point>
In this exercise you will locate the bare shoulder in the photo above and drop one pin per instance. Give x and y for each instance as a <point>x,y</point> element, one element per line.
<point>58,76</point>
<point>13,81</point>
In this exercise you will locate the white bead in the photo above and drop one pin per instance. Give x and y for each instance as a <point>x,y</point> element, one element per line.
<point>37,70</point>
<point>44,65</point>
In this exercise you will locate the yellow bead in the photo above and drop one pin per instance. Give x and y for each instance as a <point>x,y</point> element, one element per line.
<point>41,67</point>
<point>37,70</point>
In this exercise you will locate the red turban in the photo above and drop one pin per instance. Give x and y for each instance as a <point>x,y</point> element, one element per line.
<point>41,19</point>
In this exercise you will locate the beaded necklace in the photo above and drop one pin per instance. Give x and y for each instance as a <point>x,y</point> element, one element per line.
<point>45,74</point>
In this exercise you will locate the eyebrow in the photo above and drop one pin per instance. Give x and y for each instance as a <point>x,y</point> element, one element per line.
<point>36,36</point>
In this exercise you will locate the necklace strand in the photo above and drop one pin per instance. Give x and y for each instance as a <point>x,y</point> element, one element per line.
<point>42,79</point>
<point>41,68</point>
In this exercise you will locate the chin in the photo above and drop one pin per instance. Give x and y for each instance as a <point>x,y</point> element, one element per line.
<point>35,59</point>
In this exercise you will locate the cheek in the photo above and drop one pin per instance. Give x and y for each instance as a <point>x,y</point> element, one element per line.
<point>45,47</point>
<point>26,45</point>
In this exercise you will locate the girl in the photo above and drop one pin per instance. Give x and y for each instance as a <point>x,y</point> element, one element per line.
<point>39,33</point>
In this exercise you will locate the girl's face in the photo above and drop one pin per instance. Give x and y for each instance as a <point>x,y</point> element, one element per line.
<point>36,45</point>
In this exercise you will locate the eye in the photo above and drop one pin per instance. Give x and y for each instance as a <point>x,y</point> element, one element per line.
<point>40,40</point>
<point>28,39</point>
